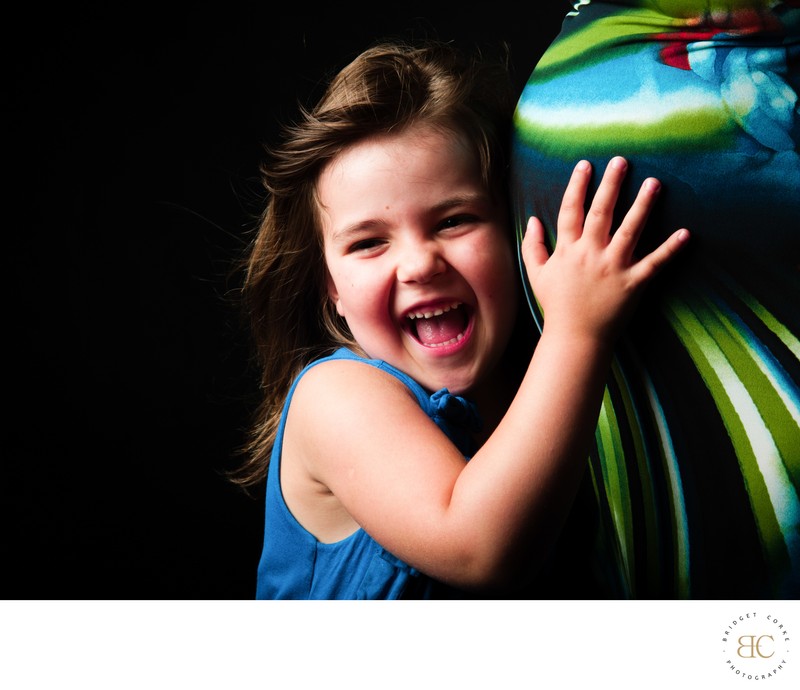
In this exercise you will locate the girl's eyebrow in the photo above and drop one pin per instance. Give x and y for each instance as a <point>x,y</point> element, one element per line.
<point>461,200</point>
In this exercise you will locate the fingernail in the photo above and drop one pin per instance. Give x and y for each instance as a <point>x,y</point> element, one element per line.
<point>619,162</point>
<point>583,166</point>
<point>652,184</point>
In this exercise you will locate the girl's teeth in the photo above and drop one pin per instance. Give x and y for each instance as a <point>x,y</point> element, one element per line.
<point>431,314</point>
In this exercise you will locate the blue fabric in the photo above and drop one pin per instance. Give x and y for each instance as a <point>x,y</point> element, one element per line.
<point>294,565</point>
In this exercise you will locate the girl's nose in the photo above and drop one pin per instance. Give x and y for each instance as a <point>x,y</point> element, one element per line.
<point>420,262</point>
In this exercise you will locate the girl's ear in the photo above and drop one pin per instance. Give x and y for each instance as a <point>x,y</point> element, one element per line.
<point>333,293</point>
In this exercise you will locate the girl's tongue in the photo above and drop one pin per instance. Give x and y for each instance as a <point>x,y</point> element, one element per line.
<point>438,330</point>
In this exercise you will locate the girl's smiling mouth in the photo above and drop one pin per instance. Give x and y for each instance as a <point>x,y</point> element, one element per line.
<point>440,326</point>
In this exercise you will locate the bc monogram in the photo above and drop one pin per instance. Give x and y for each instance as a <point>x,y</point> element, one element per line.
<point>750,646</point>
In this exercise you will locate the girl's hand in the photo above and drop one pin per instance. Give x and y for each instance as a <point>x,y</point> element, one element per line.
<point>591,282</point>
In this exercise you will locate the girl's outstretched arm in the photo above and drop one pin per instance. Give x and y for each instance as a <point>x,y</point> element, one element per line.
<point>477,524</point>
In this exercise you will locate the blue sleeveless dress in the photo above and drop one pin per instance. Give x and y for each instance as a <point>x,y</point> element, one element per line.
<point>295,565</point>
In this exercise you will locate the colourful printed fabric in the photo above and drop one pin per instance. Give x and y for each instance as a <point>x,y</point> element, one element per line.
<point>696,469</point>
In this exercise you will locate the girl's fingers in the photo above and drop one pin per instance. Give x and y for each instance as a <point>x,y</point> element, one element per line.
<point>601,213</point>
<point>651,264</point>
<point>534,250</point>
<point>629,231</point>
<point>596,225</point>
<point>570,215</point>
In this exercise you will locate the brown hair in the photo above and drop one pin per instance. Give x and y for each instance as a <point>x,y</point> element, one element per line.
<point>387,88</point>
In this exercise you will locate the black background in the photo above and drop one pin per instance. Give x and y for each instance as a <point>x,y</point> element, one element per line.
<point>133,142</point>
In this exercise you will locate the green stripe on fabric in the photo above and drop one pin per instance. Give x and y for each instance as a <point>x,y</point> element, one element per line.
<point>679,522</point>
<point>768,319</point>
<point>680,131</point>
<point>576,48</point>
<point>653,540</point>
<point>603,32</point>
<point>615,485</point>
<point>728,392</point>
<point>780,420</point>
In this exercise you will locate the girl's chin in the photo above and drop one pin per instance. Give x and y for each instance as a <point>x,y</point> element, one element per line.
<point>457,381</point>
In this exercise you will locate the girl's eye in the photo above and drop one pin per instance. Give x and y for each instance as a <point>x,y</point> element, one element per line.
<point>455,221</point>
<point>364,245</point>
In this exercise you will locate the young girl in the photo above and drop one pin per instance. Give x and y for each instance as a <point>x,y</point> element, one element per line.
<point>384,295</point>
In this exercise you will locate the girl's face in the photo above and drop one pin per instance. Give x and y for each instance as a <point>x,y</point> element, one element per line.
<point>419,258</point>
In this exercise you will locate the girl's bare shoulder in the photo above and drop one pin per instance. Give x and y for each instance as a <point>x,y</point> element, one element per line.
<point>341,385</point>
<point>348,411</point>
